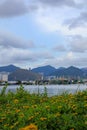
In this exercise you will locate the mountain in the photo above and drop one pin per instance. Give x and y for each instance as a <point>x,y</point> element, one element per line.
<point>45,70</point>
<point>84,71</point>
<point>61,68</point>
<point>23,75</point>
<point>73,71</point>
<point>69,72</point>
<point>9,68</point>
<point>59,72</point>
<point>17,73</point>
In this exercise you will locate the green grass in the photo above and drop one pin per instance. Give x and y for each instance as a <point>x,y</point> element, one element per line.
<point>64,112</point>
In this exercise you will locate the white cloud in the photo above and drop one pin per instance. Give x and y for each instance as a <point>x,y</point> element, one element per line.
<point>78,44</point>
<point>55,21</point>
<point>10,8</point>
<point>78,22</point>
<point>68,59</point>
<point>22,56</point>
<point>59,48</point>
<point>9,40</point>
<point>14,8</point>
<point>59,3</point>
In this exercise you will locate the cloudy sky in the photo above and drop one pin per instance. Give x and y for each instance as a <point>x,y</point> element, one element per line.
<point>41,32</point>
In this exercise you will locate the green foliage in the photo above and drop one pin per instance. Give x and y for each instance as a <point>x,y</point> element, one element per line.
<point>63,112</point>
<point>3,91</point>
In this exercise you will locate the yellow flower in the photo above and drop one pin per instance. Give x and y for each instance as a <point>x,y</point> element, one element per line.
<point>43,118</point>
<point>8,105</point>
<point>37,113</point>
<point>16,123</point>
<point>21,115</point>
<point>59,107</point>
<point>74,107</point>
<point>12,126</point>
<point>25,107</point>
<point>34,106</point>
<point>85,105</point>
<point>31,117</point>
<point>30,127</point>
<point>22,129</point>
<point>16,101</point>
<point>18,110</point>
<point>57,114</point>
<point>47,107</point>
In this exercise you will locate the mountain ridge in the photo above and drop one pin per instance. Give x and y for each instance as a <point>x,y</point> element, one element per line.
<point>9,68</point>
<point>45,70</point>
<point>69,72</point>
<point>48,70</point>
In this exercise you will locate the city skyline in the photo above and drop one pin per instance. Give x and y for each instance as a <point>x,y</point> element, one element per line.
<point>43,32</point>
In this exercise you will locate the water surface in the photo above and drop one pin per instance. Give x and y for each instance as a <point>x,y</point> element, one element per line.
<point>51,89</point>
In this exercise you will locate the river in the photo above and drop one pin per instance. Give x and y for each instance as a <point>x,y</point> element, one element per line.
<point>51,89</point>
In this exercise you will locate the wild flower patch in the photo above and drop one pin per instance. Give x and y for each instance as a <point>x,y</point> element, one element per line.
<point>24,111</point>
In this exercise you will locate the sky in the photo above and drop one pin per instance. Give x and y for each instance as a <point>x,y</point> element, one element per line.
<point>43,32</point>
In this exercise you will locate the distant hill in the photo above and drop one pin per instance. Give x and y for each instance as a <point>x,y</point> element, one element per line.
<point>20,74</point>
<point>58,72</point>
<point>61,68</point>
<point>46,70</point>
<point>85,71</point>
<point>23,75</point>
<point>69,72</point>
<point>9,68</point>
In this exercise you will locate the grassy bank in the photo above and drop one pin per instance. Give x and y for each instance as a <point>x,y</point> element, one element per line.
<point>25,111</point>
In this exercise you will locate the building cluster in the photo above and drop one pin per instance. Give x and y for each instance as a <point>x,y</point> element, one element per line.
<point>43,80</point>
<point>3,77</point>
